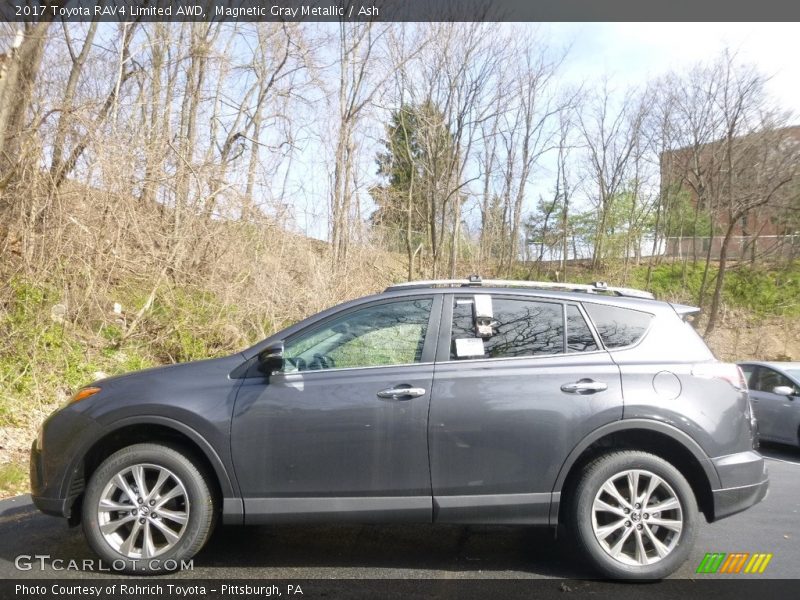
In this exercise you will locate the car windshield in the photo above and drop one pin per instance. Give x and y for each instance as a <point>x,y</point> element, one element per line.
<point>793,373</point>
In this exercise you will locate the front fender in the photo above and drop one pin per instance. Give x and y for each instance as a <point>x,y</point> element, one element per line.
<point>227,483</point>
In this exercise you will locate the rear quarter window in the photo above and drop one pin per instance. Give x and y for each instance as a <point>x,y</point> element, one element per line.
<point>618,327</point>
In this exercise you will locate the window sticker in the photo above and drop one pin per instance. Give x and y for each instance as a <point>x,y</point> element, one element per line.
<point>483,307</point>
<point>469,347</point>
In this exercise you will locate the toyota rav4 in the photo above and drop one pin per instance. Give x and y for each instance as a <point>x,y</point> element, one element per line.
<point>452,401</point>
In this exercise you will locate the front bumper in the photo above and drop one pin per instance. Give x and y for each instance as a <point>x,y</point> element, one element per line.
<point>49,505</point>
<point>56,472</point>
<point>746,482</point>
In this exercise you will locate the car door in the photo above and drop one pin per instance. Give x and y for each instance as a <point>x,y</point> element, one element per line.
<point>510,400</point>
<point>341,432</point>
<point>773,411</point>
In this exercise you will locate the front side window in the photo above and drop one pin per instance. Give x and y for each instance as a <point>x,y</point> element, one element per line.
<point>748,371</point>
<point>518,328</point>
<point>768,380</point>
<point>391,333</point>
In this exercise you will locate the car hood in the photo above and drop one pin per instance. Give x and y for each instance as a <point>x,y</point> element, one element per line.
<point>170,374</point>
<point>193,393</point>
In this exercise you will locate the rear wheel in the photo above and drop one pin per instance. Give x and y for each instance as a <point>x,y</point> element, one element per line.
<point>147,508</point>
<point>633,515</point>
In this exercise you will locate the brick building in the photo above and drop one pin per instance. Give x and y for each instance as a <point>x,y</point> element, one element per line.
<point>752,166</point>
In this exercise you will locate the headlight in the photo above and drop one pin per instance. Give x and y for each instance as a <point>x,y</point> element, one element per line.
<point>82,394</point>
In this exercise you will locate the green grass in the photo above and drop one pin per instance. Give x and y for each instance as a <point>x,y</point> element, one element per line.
<point>43,360</point>
<point>13,479</point>
<point>762,291</point>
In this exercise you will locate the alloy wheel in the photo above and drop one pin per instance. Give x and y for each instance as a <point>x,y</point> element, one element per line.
<point>637,517</point>
<point>143,511</point>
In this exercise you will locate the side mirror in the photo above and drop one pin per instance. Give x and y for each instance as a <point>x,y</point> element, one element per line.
<point>783,390</point>
<point>270,359</point>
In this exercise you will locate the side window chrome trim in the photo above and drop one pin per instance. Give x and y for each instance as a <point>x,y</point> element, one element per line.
<point>531,357</point>
<point>341,369</point>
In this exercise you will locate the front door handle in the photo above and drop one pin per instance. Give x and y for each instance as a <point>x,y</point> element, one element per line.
<point>584,386</point>
<point>401,393</point>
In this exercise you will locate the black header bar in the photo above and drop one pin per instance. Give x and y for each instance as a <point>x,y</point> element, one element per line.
<point>401,10</point>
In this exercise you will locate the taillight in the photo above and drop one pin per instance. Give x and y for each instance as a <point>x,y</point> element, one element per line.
<point>727,371</point>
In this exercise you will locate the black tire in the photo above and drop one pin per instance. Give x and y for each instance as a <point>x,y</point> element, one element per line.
<point>580,517</point>
<point>199,503</point>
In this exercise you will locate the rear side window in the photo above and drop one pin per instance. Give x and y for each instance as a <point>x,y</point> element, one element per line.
<point>520,328</point>
<point>618,327</point>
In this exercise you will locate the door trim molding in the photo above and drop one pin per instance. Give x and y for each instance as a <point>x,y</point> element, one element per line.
<point>511,509</point>
<point>370,509</point>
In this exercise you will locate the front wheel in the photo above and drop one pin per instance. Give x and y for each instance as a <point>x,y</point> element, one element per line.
<point>633,515</point>
<point>147,508</point>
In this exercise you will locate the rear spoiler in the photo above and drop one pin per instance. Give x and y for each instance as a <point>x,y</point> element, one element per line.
<point>684,311</point>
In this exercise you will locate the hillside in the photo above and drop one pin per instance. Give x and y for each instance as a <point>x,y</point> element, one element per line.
<point>106,287</point>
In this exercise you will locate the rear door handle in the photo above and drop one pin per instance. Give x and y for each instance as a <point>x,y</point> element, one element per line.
<point>584,386</point>
<point>401,393</point>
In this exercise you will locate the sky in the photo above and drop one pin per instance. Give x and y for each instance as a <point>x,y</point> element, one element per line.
<point>635,52</point>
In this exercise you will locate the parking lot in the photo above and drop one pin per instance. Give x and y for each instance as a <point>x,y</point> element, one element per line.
<point>417,551</point>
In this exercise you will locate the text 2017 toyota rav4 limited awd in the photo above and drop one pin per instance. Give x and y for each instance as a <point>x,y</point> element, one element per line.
<point>464,401</point>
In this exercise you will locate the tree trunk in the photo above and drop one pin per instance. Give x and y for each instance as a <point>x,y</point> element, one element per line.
<point>17,89</point>
<point>66,167</point>
<point>153,136</point>
<point>716,299</point>
<point>78,62</point>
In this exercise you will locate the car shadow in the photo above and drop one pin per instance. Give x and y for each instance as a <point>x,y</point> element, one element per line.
<point>371,551</point>
<point>780,451</point>
<point>415,549</point>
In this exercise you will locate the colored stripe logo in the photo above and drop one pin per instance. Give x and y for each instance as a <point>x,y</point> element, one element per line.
<point>735,562</point>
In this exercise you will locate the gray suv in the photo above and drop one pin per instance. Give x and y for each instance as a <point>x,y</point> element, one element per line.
<point>455,401</point>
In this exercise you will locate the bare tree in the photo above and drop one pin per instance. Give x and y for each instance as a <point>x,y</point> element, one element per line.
<point>60,169</point>
<point>759,168</point>
<point>357,46</point>
<point>78,63</point>
<point>530,133</point>
<point>456,82</point>
<point>20,67</point>
<point>610,130</point>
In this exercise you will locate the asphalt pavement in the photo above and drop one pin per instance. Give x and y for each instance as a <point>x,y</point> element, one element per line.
<point>413,551</point>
